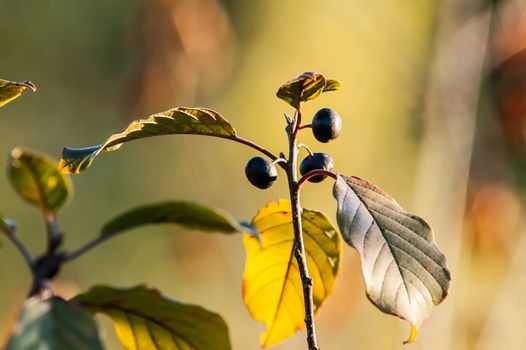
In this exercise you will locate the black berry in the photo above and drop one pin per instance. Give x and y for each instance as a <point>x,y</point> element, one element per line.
<point>314,162</point>
<point>261,172</point>
<point>326,125</point>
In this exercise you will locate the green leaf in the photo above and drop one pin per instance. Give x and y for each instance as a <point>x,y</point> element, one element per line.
<point>306,87</point>
<point>9,90</point>
<point>180,120</point>
<point>332,85</point>
<point>6,225</point>
<point>405,273</point>
<point>187,214</point>
<point>37,178</point>
<point>145,320</point>
<point>272,288</point>
<point>54,324</point>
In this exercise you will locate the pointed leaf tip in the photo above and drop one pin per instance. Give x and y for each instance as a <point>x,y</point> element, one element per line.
<point>179,120</point>
<point>413,333</point>
<point>405,273</point>
<point>9,90</point>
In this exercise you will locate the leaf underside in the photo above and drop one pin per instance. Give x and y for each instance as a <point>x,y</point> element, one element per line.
<point>54,324</point>
<point>404,272</point>
<point>9,90</point>
<point>179,120</point>
<point>272,288</point>
<point>187,214</point>
<point>146,320</point>
<point>307,86</point>
<point>37,178</point>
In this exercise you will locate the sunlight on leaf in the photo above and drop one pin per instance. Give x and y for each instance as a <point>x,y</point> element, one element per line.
<point>307,86</point>
<point>37,178</point>
<point>9,90</point>
<point>54,324</point>
<point>187,214</point>
<point>405,273</point>
<point>146,320</point>
<point>180,120</point>
<point>272,289</point>
<point>332,85</point>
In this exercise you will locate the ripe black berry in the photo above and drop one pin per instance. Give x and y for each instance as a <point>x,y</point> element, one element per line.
<point>261,172</point>
<point>326,125</point>
<point>314,162</point>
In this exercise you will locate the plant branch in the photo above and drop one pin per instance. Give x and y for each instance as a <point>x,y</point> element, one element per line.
<point>21,247</point>
<point>87,247</point>
<point>312,174</point>
<point>54,235</point>
<point>299,247</point>
<point>302,145</point>
<point>252,145</point>
<point>305,126</point>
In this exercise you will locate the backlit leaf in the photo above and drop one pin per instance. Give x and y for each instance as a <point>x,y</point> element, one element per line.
<point>405,273</point>
<point>37,178</point>
<point>306,87</point>
<point>146,320</point>
<point>180,120</point>
<point>332,85</point>
<point>187,214</point>
<point>272,289</point>
<point>9,90</point>
<point>54,324</point>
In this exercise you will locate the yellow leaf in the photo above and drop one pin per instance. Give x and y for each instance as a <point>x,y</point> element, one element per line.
<point>9,90</point>
<point>272,289</point>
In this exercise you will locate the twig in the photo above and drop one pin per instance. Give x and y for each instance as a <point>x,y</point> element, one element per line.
<point>87,247</point>
<point>299,247</point>
<point>21,247</point>
<point>312,174</point>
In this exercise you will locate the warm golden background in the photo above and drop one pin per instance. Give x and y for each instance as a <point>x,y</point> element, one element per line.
<point>434,111</point>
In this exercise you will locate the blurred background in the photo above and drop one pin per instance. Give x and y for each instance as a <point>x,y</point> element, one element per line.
<point>434,112</point>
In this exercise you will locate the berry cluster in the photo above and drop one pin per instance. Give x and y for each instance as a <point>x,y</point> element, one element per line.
<point>326,126</point>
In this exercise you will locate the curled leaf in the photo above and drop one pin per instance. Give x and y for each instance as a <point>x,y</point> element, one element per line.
<point>307,86</point>
<point>180,120</point>
<point>405,273</point>
<point>9,90</point>
<point>146,320</point>
<point>37,178</point>
<point>272,288</point>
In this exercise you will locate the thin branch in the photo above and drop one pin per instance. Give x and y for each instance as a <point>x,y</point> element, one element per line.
<point>305,126</point>
<point>299,247</point>
<point>21,247</point>
<point>252,145</point>
<point>54,235</point>
<point>313,173</point>
<point>302,145</point>
<point>87,247</point>
<point>280,160</point>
